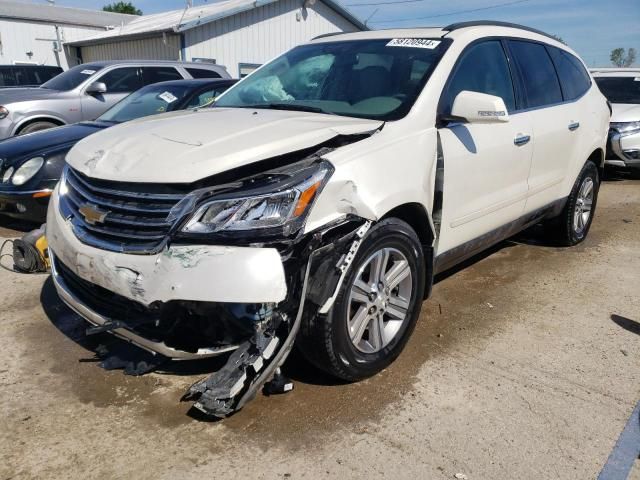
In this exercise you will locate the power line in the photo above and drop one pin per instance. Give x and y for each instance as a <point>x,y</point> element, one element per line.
<point>389,2</point>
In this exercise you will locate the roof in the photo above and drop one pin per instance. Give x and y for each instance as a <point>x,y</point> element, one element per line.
<point>188,18</point>
<point>55,14</point>
<point>615,72</point>
<point>195,82</point>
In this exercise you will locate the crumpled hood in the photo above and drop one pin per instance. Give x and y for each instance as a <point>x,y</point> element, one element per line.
<point>625,112</point>
<point>13,95</point>
<point>185,146</point>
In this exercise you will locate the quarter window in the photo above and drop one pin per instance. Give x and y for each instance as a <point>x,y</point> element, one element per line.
<point>574,79</point>
<point>122,80</point>
<point>541,85</point>
<point>482,68</point>
<point>202,73</point>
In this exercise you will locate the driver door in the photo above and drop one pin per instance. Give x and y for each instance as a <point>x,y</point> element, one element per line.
<point>120,82</point>
<point>486,165</point>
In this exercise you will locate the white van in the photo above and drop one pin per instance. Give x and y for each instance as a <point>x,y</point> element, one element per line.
<point>318,200</point>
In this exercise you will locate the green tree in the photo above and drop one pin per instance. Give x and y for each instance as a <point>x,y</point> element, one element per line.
<point>619,59</point>
<point>122,7</point>
<point>558,38</point>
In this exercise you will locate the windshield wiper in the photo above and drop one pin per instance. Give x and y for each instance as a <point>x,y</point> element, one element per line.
<point>290,106</point>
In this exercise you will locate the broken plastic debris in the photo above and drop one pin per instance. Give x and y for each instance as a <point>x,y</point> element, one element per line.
<point>460,476</point>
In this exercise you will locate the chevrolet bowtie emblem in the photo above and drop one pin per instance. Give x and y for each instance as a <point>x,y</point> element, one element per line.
<point>93,214</point>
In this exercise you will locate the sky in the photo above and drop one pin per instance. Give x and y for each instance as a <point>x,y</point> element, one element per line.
<point>591,27</point>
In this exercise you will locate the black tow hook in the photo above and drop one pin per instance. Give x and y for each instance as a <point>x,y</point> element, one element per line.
<point>279,384</point>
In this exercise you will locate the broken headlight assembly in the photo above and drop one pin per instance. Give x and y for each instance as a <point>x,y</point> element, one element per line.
<point>271,204</point>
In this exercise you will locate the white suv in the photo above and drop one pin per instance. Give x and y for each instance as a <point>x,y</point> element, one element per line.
<point>621,86</point>
<point>319,199</point>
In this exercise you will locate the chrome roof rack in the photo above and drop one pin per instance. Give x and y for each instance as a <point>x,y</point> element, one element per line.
<point>494,23</point>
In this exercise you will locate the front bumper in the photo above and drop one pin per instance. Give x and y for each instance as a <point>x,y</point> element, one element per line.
<point>184,273</point>
<point>624,149</point>
<point>29,205</point>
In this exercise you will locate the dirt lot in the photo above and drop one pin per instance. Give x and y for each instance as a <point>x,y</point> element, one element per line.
<point>525,364</point>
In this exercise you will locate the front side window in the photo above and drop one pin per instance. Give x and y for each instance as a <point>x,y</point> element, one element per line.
<point>574,79</point>
<point>620,89</point>
<point>482,68</point>
<point>149,100</point>
<point>122,80</point>
<point>378,79</point>
<point>72,78</point>
<point>159,74</point>
<point>540,82</point>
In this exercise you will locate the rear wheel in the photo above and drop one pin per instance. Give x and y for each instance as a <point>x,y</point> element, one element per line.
<point>36,127</point>
<point>376,309</point>
<point>572,225</point>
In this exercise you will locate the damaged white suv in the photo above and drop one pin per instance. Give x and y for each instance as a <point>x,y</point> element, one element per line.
<point>318,200</point>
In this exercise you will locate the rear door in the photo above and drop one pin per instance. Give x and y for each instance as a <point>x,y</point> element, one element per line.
<point>120,82</point>
<point>555,122</point>
<point>485,165</point>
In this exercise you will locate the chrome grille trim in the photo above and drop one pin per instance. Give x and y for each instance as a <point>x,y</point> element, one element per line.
<point>133,222</point>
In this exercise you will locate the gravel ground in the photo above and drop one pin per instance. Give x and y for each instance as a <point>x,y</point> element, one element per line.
<point>525,364</point>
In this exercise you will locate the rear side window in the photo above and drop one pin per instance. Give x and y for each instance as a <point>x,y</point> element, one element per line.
<point>159,74</point>
<point>482,68</point>
<point>574,79</point>
<point>202,73</point>
<point>540,82</point>
<point>122,80</point>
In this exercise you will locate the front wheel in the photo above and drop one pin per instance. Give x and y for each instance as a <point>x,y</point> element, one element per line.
<point>572,225</point>
<point>376,309</point>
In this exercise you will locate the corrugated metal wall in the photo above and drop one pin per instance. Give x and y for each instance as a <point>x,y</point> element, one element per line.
<point>155,48</point>
<point>263,33</point>
<point>18,37</point>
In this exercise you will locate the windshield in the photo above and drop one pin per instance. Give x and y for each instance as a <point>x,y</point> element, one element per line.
<point>377,79</point>
<point>620,89</point>
<point>147,101</point>
<point>71,78</point>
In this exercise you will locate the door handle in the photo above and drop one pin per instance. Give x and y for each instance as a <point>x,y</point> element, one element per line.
<point>574,126</point>
<point>521,140</point>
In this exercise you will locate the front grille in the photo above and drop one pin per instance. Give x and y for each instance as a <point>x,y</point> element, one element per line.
<point>117,216</point>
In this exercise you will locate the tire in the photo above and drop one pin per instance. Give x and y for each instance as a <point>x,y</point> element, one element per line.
<point>571,227</point>
<point>36,127</point>
<point>326,341</point>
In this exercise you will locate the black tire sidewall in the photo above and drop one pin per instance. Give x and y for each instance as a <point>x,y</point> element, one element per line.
<point>355,364</point>
<point>589,170</point>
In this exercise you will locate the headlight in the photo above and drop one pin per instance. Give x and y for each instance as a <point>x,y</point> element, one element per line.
<point>626,127</point>
<point>7,175</point>
<point>27,170</point>
<point>282,209</point>
<point>3,112</point>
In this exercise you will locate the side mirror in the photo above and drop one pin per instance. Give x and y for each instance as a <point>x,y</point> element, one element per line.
<point>475,107</point>
<point>96,88</point>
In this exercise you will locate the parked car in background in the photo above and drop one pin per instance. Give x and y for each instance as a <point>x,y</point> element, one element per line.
<point>12,76</point>
<point>621,86</point>
<point>86,91</point>
<point>315,202</point>
<point>30,165</point>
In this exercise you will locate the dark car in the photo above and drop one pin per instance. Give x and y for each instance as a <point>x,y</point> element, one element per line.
<point>30,165</point>
<point>12,76</point>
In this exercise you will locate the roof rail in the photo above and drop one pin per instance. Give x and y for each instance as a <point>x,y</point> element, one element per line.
<point>494,23</point>
<point>325,35</point>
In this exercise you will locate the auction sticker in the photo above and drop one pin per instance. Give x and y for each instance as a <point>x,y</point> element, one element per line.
<point>168,97</point>
<point>88,72</point>
<point>414,43</point>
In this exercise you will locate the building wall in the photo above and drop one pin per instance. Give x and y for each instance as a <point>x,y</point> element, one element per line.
<point>258,35</point>
<point>155,48</point>
<point>17,37</point>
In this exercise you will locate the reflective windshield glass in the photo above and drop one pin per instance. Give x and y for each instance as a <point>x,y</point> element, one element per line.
<point>377,79</point>
<point>149,100</point>
<point>71,78</point>
<point>620,89</point>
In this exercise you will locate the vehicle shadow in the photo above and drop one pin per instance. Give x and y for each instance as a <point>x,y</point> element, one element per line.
<point>613,174</point>
<point>10,223</point>
<point>626,323</point>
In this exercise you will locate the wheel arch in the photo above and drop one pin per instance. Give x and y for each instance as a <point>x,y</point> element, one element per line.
<point>40,118</point>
